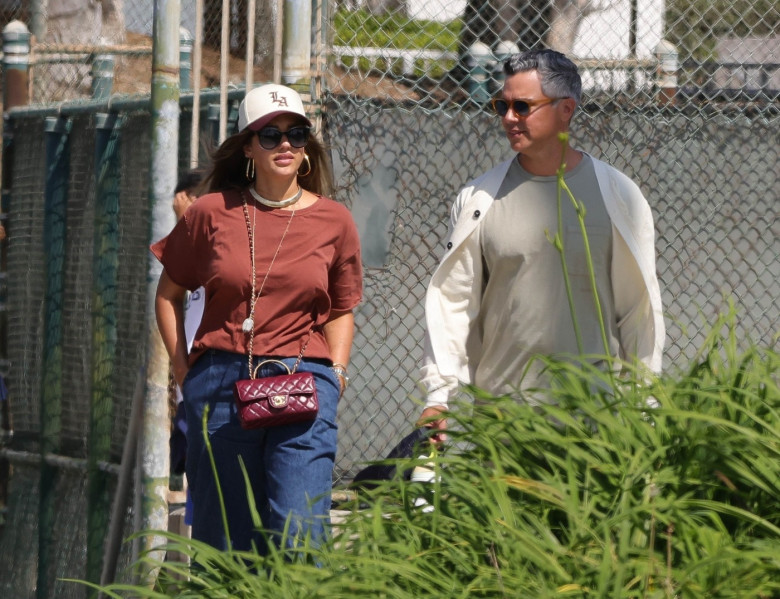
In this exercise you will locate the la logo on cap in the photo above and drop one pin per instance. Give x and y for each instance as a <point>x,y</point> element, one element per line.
<point>280,100</point>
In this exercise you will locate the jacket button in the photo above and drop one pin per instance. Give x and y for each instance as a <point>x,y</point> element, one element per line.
<point>476,213</point>
<point>449,245</point>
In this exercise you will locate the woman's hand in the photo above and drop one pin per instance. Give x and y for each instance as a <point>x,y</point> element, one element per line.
<point>338,331</point>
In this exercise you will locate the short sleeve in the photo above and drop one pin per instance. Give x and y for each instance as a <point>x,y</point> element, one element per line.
<point>177,253</point>
<point>346,275</point>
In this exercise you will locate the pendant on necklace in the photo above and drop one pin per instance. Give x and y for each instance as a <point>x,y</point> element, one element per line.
<point>248,325</point>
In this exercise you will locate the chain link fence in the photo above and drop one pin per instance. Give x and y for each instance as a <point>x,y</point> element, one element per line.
<point>682,98</point>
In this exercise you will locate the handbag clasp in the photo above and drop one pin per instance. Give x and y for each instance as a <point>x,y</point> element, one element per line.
<point>277,401</point>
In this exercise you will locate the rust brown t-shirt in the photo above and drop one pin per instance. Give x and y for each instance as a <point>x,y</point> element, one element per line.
<point>317,269</point>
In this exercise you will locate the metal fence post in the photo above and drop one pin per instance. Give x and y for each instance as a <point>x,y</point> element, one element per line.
<point>479,64</point>
<point>104,336</point>
<point>504,49</point>
<point>296,59</point>
<point>667,56</point>
<point>212,117</point>
<point>15,81</point>
<point>16,65</point>
<point>54,236</point>
<point>39,11</point>
<point>185,60</point>
<point>102,76</point>
<point>154,465</point>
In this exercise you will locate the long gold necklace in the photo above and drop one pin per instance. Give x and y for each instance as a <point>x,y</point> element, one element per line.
<point>248,326</point>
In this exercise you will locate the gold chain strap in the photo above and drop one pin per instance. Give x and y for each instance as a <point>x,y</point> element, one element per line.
<point>255,295</point>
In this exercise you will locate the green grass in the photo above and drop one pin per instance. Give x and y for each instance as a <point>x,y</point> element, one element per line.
<point>361,29</point>
<point>594,495</point>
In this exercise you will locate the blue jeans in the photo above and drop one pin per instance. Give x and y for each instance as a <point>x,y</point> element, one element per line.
<point>290,468</point>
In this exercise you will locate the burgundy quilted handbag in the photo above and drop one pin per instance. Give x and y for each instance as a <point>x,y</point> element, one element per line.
<point>276,400</point>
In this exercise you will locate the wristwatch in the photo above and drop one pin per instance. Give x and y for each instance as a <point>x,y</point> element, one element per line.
<point>341,371</point>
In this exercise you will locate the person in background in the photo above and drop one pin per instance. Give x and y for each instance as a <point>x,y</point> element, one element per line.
<point>184,194</point>
<point>281,268</point>
<point>498,297</point>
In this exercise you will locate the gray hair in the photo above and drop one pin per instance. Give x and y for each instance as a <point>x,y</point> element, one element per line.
<point>557,74</point>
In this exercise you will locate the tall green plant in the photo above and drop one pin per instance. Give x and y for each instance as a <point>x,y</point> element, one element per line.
<point>592,495</point>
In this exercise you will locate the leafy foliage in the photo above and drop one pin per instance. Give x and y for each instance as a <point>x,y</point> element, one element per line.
<point>360,28</point>
<point>627,489</point>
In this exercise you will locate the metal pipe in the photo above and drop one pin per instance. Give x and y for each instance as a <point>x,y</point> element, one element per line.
<point>296,61</point>
<point>154,466</point>
<point>16,65</point>
<point>185,60</point>
<point>114,539</point>
<point>196,65</point>
<point>39,17</point>
<point>124,49</point>
<point>319,52</point>
<point>250,44</point>
<point>113,104</point>
<point>223,70</point>
<point>278,41</point>
<point>105,283</point>
<point>102,75</point>
<point>60,462</point>
<point>54,236</point>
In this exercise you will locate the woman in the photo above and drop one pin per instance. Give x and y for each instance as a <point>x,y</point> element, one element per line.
<point>266,207</point>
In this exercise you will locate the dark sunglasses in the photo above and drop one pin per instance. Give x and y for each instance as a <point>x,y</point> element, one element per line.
<point>271,137</point>
<point>519,107</point>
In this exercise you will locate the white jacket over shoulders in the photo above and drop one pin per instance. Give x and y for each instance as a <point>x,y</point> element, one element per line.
<point>452,301</point>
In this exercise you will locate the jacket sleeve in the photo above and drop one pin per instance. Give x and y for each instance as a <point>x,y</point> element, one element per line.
<point>637,295</point>
<point>633,308</point>
<point>438,388</point>
<point>451,305</point>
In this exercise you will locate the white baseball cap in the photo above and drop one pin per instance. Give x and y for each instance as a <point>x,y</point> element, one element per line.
<point>262,104</point>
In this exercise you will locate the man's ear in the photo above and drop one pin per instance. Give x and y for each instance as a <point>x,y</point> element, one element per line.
<point>569,105</point>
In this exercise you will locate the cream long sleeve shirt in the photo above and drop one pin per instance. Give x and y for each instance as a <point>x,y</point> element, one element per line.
<point>452,301</point>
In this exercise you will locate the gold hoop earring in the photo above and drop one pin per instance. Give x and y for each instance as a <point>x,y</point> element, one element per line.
<point>308,163</point>
<point>250,169</point>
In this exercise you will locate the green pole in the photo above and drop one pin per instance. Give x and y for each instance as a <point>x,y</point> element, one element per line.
<point>54,233</point>
<point>155,459</point>
<point>104,335</point>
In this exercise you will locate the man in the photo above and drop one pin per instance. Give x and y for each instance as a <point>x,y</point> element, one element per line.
<point>499,297</point>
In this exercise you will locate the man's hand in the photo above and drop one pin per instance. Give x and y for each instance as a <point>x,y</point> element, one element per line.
<point>435,419</point>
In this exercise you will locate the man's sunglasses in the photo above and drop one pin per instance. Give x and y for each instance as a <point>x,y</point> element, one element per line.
<point>519,107</point>
<point>271,137</point>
